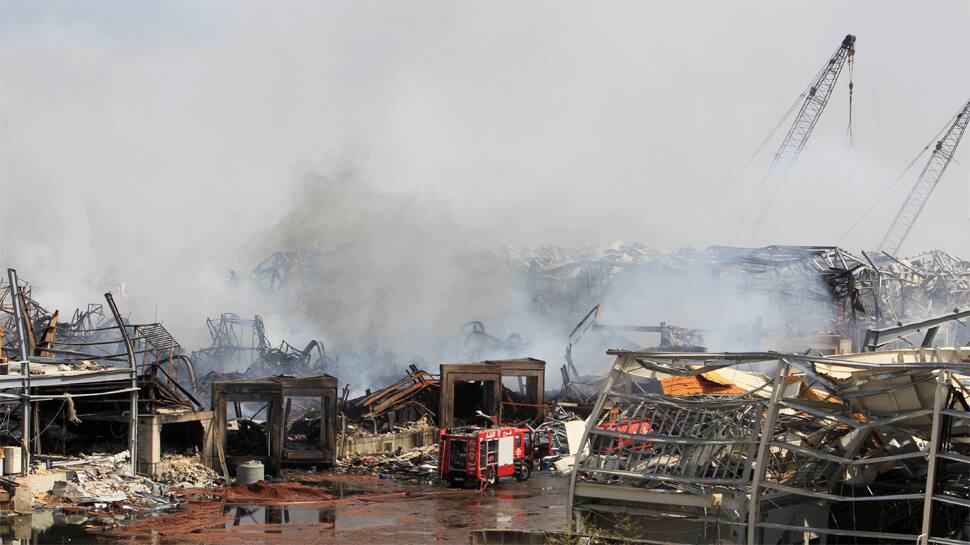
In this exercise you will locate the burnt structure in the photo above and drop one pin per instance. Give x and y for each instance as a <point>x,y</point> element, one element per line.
<point>508,390</point>
<point>98,378</point>
<point>240,341</point>
<point>816,288</point>
<point>408,400</point>
<point>278,421</point>
<point>767,447</point>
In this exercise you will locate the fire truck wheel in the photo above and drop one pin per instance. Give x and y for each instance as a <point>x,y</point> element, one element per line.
<point>523,471</point>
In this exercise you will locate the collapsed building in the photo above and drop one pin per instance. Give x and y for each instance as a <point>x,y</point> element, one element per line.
<point>412,398</point>
<point>753,448</point>
<point>578,391</point>
<point>99,377</point>
<point>91,382</point>
<point>825,289</point>
<point>408,413</point>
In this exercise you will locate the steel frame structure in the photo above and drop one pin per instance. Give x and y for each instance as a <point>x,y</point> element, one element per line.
<point>808,440</point>
<point>24,383</point>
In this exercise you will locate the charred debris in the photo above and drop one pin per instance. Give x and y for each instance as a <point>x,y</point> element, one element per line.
<point>779,448</point>
<point>864,403</point>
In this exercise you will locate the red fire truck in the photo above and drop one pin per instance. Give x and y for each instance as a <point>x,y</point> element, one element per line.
<point>476,457</point>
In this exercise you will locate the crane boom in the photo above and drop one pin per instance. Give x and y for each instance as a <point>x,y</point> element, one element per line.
<point>808,115</point>
<point>928,179</point>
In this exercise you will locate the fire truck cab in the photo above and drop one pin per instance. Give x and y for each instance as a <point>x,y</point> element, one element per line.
<point>477,457</point>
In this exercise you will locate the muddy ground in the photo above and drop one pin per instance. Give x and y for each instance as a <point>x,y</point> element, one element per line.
<point>325,508</point>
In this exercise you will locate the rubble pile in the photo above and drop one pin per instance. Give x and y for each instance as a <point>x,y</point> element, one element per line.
<point>416,463</point>
<point>97,483</point>
<point>181,471</point>
<point>100,485</point>
<point>412,399</point>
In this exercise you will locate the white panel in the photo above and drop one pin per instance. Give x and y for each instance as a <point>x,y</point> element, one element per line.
<point>506,450</point>
<point>574,435</point>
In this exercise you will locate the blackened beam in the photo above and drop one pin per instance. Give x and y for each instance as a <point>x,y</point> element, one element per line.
<point>181,388</point>
<point>637,328</point>
<point>876,338</point>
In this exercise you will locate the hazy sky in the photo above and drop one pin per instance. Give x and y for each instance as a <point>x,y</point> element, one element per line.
<point>153,143</point>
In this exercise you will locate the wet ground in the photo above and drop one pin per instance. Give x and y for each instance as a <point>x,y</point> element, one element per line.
<point>329,509</point>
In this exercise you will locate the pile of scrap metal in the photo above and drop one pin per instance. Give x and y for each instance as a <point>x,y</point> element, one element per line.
<point>392,431</point>
<point>281,268</point>
<point>238,342</point>
<point>578,392</point>
<point>830,288</point>
<point>413,398</point>
<point>752,448</point>
<point>473,343</point>
<point>564,431</point>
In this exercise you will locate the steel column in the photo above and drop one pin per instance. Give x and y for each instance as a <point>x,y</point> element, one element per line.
<point>767,432</point>
<point>133,370</point>
<point>590,423</point>
<point>939,397</point>
<point>18,313</point>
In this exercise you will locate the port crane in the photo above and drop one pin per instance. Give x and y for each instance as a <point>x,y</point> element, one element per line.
<point>928,179</point>
<point>815,99</point>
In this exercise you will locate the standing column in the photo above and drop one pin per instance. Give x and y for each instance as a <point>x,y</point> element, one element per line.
<point>18,313</point>
<point>133,373</point>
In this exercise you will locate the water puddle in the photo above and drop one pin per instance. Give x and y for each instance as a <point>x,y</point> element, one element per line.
<point>332,518</point>
<point>344,488</point>
<point>361,511</point>
<point>44,527</point>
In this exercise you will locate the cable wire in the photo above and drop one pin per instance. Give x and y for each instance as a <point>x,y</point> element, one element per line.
<point>848,132</point>
<point>784,118</point>
<point>896,181</point>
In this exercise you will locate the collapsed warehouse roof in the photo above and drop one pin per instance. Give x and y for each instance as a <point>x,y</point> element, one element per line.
<point>780,448</point>
<point>408,400</point>
<point>98,369</point>
<point>579,391</point>
<point>831,288</point>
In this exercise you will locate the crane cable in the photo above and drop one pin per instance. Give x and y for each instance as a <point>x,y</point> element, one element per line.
<point>791,109</point>
<point>757,152</point>
<point>898,178</point>
<point>848,133</point>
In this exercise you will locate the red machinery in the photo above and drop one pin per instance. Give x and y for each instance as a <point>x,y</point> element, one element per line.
<point>474,456</point>
<point>627,426</point>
